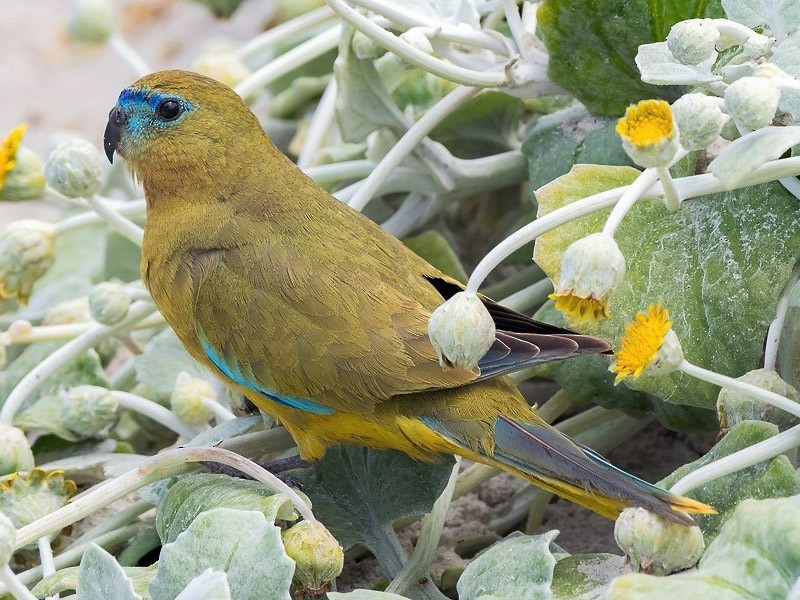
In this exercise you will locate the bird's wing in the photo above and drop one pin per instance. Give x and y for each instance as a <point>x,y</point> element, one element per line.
<point>334,326</point>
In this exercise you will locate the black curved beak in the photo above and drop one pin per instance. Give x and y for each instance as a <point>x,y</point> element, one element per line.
<point>111,139</point>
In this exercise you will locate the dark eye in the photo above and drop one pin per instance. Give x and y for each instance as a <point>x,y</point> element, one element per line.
<point>168,110</point>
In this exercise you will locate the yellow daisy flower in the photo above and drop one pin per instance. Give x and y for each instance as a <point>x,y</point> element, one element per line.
<point>648,342</point>
<point>649,134</point>
<point>8,151</point>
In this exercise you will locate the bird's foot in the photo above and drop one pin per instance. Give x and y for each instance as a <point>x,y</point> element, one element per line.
<point>277,466</point>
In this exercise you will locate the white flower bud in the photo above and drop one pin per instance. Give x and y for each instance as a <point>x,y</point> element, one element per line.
<point>91,21</point>
<point>187,399</point>
<point>86,410</point>
<point>461,330</point>
<point>26,498</point>
<point>734,406</point>
<point>691,42</point>
<point>108,303</point>
<point>700,120</point>
<point>417,38</point>
<point>758,45</point>
<point>655,545</point>
<point>668,358</point>
<point>8,539</point>
<point>365,48</point>
<point>69,311</point>
<point>752,101</point>
<point>27,249</point>
<point>74,168</point>
<point>26,179</point>
<point>15,452</point>
<point>592,268</point>
<point>318,557</point>
<point>225,67</point>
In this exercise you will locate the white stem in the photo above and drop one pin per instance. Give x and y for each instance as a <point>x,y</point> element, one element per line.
<point>419,563</point>
<point>406,144</point>
<point>65,354</point>
<point>286,63</point>
<point>118,223</point>
<point>415,56</point>
<point>14,585</point>
<point>755,392</point>
<point>163,465</point>
<point>285,31</point>
<point>220,412</point>
<point>515,25</point>
<point>747,457</point>
<point>134,208</point>
<point>318,127</point>
<point>629,197</point>
<point>528,296</point>
<point>687,187</point>
<point>154,411</point>
<point>47,333</point>
<point>776,327</point>
<point>336,172</point>
<point>46,556</point>
<point>671,198</point>
<point>129,55</point>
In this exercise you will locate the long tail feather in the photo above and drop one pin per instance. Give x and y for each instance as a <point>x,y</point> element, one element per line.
<point>546,457</point>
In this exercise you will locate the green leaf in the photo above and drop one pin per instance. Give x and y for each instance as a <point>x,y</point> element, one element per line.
<point>363,103</point>
<point>718,265</point>
<point>364,595</point>
<point>558,141</point>
<point>163,359</point>
<point>85,369</point>
<point>754,556</point>
<point>587,379</point>
<point>209,585</point>
<point>358,492</point>
<point>198,493</point>
<point>737,161</point>
<point>101,577</point>
<point>592,46</point>
<point>65,580</point>
<point>585,576</point>
<point>433,247</point>
<point>519,567</point>
<point>771,479</point>
<point>486,124</point>
<point>242,544</point>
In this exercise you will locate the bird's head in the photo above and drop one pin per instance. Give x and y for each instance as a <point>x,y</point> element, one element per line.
<point>178,121</point>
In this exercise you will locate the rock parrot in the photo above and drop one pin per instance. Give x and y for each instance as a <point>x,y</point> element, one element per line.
<point>320,317</point>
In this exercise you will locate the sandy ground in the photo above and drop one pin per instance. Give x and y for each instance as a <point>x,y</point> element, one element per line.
<point>56,85</point>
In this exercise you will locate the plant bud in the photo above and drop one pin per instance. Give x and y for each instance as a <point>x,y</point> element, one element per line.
<point>74,168</point>
<point>318,557</point>
<point>8,539</point>
<point>365,48</point>
<point>225,67</point>
<point>655,545</point>
<point>461,330</point>
<point>69,311</point>
<point>86,410</point>
<point>693,41</point>
<point>26,179</point>
<point>592,268</point>
<point>734,406</point>
<point>91,21</point>
<point>648,133</point>
<point>416,37</point>
<point>758,45</point>
<point>187,399</point>
<point>752,101</point>
<point>15,452</point>
<point>26,253</point>
<point>108,303</point>
<point>700,120</point>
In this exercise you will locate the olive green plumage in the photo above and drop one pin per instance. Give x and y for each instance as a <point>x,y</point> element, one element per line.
<point>319,315</point>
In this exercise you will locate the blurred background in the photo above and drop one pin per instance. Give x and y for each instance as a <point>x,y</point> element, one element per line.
<point>58,85</point>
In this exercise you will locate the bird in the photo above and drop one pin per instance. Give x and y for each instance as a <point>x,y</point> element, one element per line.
<point>319,316</point>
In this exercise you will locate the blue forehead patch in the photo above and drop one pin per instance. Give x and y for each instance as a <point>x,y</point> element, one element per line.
<point>133,102</point>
